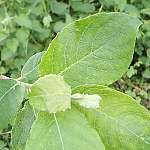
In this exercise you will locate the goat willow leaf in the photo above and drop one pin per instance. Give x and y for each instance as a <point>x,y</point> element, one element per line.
<point>29,71</point>
<point>50,93</point>
<point>121,122</point>
<point>63,131</point>
<point>11,96</point>
<point>22,126</point>
<point>94,50</point>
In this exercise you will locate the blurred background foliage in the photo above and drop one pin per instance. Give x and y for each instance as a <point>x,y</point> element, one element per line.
<point>28,26</point>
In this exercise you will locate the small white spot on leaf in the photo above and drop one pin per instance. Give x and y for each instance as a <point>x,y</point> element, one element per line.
<point>87,101</point>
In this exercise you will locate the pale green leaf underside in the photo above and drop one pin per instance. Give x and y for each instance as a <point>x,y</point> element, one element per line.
<point>11,96</point>
<point>50,93</point>
<point>29,71</point>
<point>121,122</point>
<point>65,131</point>
<point>94,50</point>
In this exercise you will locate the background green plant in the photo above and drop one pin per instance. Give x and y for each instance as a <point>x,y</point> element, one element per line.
<point>27,27</point>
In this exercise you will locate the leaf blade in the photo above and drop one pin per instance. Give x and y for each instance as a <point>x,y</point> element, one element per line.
<point>50,93</point>
<point>29,72</point>
<point>22,126</point>
<point>119,116</point>
<point>71,131</point>
<point>8,105</point>
<point>86,52</point>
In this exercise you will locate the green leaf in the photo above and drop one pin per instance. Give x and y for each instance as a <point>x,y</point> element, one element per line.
<point>132,71</point>
<point>2,144</point>
<point>59,8</point>
<point>17,63</point>
<point>94,50</point>
<point>50,93</point>
<point>38,10</point>
<point>122,123</point>
<point>80,6</point>
<point>22,126</point>
<point>5,148</point>
<point>147,62</point>
<point>63,131</point>
<point>9,51</point>
<point>131,10</point>
<point>146,3</point>
<point>29,71</point>
<point>60,24</point>
<point>148,52</point>
<point>22,36</point>
<point>11,96</point>
<point>36,26</point>
<point>146,73</point>
<point>118,4</point>
<point>24,20</point>
<point>2,70</point>
<point>146,27</point>
<point>3,36</point>
<point>43,36</point>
